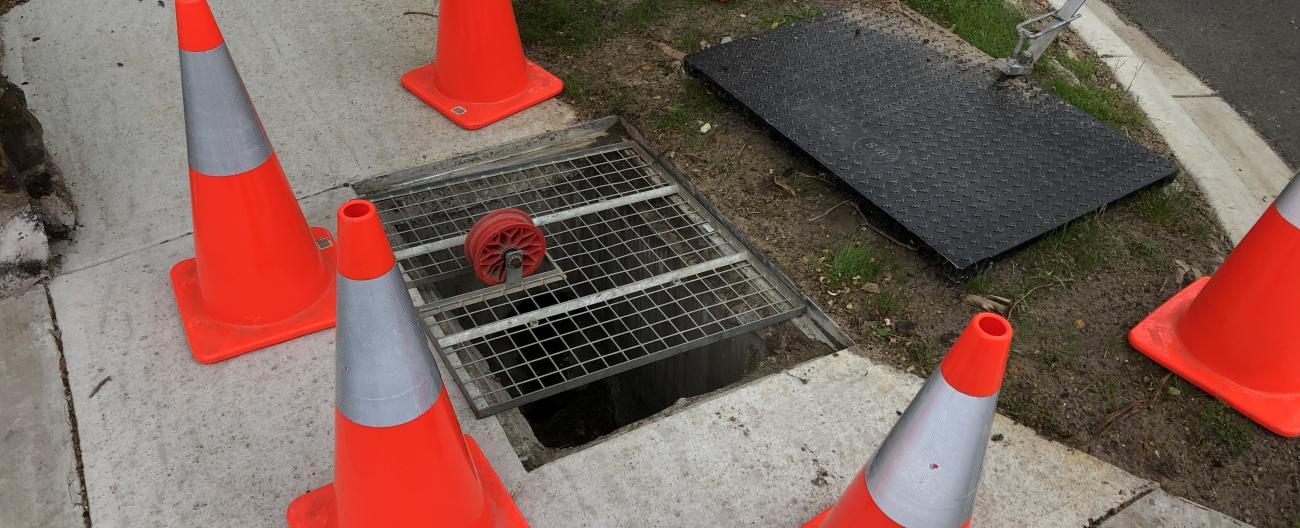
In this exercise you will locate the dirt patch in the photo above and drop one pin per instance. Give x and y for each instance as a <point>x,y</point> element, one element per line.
<point>6,5</point>
<point>1072,295</point>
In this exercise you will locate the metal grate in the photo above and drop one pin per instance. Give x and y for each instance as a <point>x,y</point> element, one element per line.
<point>638,271</point>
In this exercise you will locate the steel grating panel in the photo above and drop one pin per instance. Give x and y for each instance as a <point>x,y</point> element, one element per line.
<point>971,164</point>
<point>637,271</point>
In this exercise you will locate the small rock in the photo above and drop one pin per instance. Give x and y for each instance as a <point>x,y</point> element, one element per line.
<point>705,128</point>
<point>727,38</point>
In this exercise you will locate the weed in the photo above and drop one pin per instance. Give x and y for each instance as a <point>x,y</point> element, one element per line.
<point>688,39</point>
<point>855,262</point>
<point>921,354</point>
<point>981,283</point>
<point>888,304</point>
<point>1226,425</point>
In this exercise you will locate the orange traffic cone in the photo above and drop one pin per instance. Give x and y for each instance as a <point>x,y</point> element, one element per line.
<point>400,458</point>
<point>927,470</point>
<point>260,275</point>
<point>1237,334</point>
<point>480,75</point>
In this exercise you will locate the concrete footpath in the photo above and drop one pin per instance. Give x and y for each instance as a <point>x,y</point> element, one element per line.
<point>166,441</point>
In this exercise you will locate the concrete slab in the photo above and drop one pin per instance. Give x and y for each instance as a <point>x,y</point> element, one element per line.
<point>170,442</point>
<point>38,467</point>
<point>779,450</point>
<point>1162,510</point>
<point>103,79</point>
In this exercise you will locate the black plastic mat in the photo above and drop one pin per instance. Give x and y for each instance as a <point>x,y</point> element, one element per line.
<point>971,164</point>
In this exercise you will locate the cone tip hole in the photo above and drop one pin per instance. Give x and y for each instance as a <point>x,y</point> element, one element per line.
<point>993,325</point>
<point>357,209</point>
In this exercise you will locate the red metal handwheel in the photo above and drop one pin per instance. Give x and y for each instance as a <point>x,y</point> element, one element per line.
<point>494,235</point>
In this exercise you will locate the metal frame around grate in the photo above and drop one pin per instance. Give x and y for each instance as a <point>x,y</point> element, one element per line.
<point>646,271</point>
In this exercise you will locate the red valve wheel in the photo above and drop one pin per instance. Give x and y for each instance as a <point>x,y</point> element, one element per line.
<point>494,235</point>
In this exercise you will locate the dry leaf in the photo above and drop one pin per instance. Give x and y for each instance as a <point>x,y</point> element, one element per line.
<point>870,287</point>
<point>781,182</point>
<point>984,303</point>
<point>670,52</point>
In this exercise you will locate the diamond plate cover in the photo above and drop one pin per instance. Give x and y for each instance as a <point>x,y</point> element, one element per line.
<point>971,164</point>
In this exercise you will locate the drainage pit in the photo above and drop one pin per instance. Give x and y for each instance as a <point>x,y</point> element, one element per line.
<point>645,296</point>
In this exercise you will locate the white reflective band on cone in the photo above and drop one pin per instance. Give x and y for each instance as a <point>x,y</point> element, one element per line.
<point>927,471</point>
<point>385,373</point>
<point>222,130</point>
<point>1288,203</point>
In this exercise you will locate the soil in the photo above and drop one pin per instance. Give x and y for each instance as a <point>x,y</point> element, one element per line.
<point>1072,295</point>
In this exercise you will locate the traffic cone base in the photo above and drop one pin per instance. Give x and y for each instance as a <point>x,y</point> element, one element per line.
<point>865,512</point>
<point>1157,338</point>
<point>318,508</point>
<point>213,339</point>
<point>542,85</point>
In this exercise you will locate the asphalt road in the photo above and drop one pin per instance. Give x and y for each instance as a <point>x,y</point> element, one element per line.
<point>1247,50</point>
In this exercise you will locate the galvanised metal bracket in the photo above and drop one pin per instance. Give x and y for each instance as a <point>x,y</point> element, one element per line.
<point>1032,44</point>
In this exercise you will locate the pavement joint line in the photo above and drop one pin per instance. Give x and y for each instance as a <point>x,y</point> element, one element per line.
<point>183,235</point>
<point>72,411</point>
<point>1124,505</point>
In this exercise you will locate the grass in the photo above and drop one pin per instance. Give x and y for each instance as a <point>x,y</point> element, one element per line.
<point>990,26</point>
<point>696,105</point>
<point>569,24</point>
<point>575,25</point>
<point>778,17</point>
<point>856,263</point>
<point>1079,248</point>
<point>980,284</point>
<point>888,304</point>
<point>1224,424</point>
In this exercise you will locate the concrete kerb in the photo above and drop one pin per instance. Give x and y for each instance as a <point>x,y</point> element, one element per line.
<point>777,451</point>
<point>1237,170</point>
